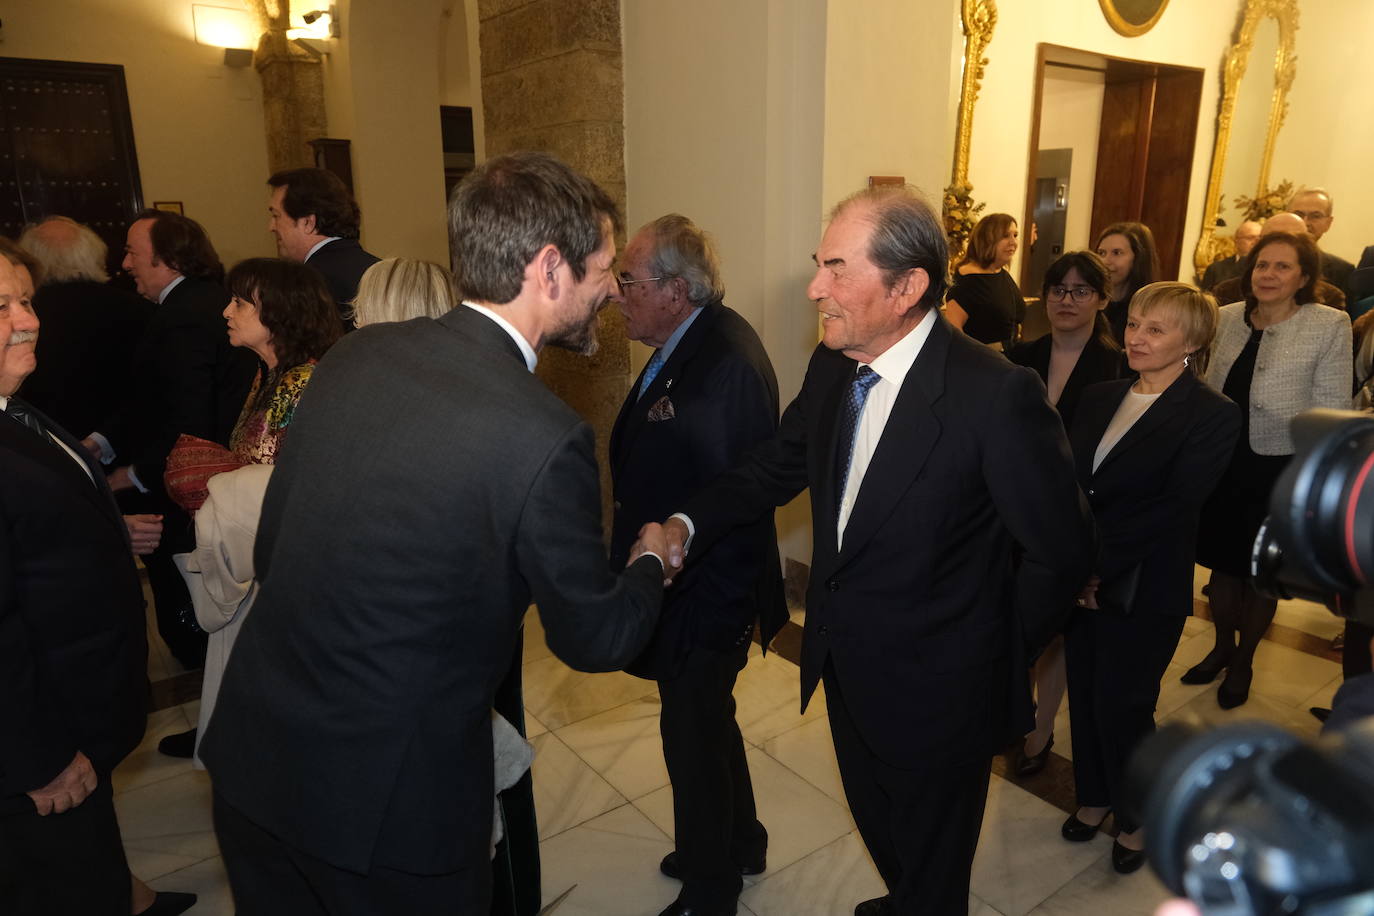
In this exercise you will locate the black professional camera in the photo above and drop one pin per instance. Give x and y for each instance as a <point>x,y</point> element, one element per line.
<point>1248,819</point>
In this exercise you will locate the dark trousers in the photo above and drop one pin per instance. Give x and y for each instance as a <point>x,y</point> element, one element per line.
<point>1355,657</point>
<point>171,600</point>
<point>920,823</point>
<point>1114,664</point>
<point>716,824</point>
<point>66,863</point>
<point>270,878</point>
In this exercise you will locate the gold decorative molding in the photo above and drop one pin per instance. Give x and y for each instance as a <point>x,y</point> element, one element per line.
<point>1285,13</point>
<point>979,20</point>
<point>1131,27</point>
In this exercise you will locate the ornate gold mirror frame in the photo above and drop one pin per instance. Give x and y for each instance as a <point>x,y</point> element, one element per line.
<point>960,214</point>
<point>1285,13</point>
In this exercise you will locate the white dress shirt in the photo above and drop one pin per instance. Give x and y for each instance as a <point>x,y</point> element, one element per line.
<point>320,244</point>
<point>531,358</point>
<point>892,367</point>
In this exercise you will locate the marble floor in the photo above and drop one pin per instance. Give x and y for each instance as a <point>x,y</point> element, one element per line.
<point>605,809</point>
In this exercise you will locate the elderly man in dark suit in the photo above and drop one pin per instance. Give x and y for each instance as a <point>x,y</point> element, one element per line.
<point>315,220</point>
<point>706,396</point>
<point>932,462</point>
<point>186,379</point>
<point>431,489</point>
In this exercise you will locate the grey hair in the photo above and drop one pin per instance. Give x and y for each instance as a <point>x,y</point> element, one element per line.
<point>1330,201</point>
<point>907,234</point>
<point>74,254</point>
<point>682,250</point>
<point>398,289</point>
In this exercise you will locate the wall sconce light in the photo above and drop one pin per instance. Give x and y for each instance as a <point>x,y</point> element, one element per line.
<point>227,28</point>
<point>319,24</point>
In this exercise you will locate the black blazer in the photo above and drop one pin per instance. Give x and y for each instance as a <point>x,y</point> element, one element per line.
<point>1097,363</point>
<point>723,397</point>
<point>1149,490</point>
<point>431,488</point>
<point>186,379</point>
<point>89,334</point>
<point>342,263</point>
<point>923,601</point>
<point>73,649</point>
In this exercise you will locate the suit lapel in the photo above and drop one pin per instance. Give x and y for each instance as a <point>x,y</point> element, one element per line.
<point>908,438</point>
<point>1152,419</point>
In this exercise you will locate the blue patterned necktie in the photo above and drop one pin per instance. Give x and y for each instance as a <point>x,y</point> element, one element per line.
<point>850,414</point>
<point>651,371</point>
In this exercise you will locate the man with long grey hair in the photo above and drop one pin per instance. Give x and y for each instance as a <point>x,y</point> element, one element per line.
<point>91,328</point>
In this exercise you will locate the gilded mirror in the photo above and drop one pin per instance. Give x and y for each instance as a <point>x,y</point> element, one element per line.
<point>1254,102</point>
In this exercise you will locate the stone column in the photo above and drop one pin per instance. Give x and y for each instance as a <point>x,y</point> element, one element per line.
<point>552,80</point>
<point>292,91</point>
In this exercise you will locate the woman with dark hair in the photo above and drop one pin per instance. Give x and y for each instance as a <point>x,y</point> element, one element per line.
<point>1279,353</point>
<point>282,311</point>
<point>1128,250</point>
<point>1079,351</point>
<point>1148,451</point>
<point>984,299</point>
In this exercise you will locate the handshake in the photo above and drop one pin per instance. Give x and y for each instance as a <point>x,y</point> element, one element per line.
<point>667,541</point>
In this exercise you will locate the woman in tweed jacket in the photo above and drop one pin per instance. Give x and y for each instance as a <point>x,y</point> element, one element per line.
<point>1277,354</point>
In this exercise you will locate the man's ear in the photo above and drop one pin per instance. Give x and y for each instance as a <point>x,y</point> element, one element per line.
<point>910,288</point>
<point>546,264</point>
<point>308,223</point>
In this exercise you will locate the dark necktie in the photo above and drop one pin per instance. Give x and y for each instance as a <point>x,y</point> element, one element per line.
<point>21,412</point>
<point>850,414</point>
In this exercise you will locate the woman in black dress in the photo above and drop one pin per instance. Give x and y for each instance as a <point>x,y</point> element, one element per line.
<point>984,300</point>
<point>1128,250</point>
<point>1079,351</point>
<point>1148,451</point>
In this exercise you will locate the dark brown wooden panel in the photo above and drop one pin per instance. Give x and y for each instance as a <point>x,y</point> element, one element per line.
<point>1169,170</point>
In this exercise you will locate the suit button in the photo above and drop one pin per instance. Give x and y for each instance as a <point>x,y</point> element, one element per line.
<point>1091,492</point>
<point>822,630</point>
<point>833,585</point>
<point>617,504</point>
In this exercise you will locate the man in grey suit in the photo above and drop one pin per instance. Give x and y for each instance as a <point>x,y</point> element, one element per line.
<point>431,489</point>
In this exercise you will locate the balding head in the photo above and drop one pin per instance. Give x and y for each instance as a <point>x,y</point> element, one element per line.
<point>67,250</point>
<point>1284,222</point>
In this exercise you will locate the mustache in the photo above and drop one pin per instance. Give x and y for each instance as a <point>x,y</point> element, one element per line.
<point>21,337</point>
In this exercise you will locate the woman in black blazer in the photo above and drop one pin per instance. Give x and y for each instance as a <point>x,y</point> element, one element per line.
<point>1079,351</point>
<point>1148,452</point>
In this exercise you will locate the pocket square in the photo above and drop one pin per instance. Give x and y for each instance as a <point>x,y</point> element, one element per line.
<point>662,410</point>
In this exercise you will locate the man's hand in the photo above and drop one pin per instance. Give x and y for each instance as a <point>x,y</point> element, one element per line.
<point>68,788</point>
<point>1177,908</point>
<point>650,541</point>
<point>1088,597</point>
<point>119,479</point>
<point>91,446</point>
<point>675,530</point>
<point>145,531</point>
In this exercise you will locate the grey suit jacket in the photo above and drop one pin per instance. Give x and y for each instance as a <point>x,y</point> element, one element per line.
<point>1304,362</point>
<point>430,489</point>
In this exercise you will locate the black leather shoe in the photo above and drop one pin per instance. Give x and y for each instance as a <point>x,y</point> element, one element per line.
<point>168,903</point>
<point>1206,671</point>
<point>1235,690</point>
<point>678,908</point>
<point>182,744</point>
<point>1029,765</point>
<point>1126,860</point>
<point>1075,831</point>
<point>878,906</point>
<point>669,866</point>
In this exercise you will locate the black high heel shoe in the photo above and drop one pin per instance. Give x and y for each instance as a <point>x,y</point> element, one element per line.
<point>1126,860</point>
<point>1235,690</point>
<point>1206,671</point>
<point>1030,764</point>
<point>1075,831</point>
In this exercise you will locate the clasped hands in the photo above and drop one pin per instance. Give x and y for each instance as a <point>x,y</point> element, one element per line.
<point>667,541</point>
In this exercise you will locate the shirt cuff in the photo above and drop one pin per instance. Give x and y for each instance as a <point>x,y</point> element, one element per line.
<point>133,479</point>
<point>107,452</point>
<point>650,553</point>
<point>691,529</point>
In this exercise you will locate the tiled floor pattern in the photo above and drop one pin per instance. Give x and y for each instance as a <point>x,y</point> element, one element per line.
<point>605,810</point>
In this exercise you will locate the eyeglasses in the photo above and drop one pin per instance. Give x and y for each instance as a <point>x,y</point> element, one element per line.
<point>1312,215</point>
<point>1080,294</point>
<point>625,280</point>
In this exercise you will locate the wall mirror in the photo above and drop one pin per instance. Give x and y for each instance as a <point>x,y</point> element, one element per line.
<point>1256,75</point>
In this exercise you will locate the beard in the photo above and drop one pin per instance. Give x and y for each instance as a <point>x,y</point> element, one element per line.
<point>578,333</point>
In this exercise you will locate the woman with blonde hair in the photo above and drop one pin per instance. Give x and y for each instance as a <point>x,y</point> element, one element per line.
<point>399,289</point>
<point>1148,450</point>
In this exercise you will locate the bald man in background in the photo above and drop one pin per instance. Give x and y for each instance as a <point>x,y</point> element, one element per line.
<point>1327,293</point>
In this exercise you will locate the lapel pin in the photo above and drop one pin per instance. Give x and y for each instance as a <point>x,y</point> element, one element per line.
<point>668,385</point>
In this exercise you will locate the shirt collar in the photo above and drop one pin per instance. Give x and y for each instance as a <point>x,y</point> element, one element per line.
<point>320,244</point>
<point>531,358</point>
<point>675,338</point>
<point>167,290</point>
<point>896,361</point>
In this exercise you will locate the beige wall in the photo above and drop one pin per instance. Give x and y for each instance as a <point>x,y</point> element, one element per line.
<point>198,125</point>
<point>1072,114</point>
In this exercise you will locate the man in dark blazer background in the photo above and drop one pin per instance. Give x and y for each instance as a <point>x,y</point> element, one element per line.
<point>73,653</point>
<point>930,459</point>
<point>707,395</point>
<point>315,220</point>
<point>187,378</point>
<point>431,488</point>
